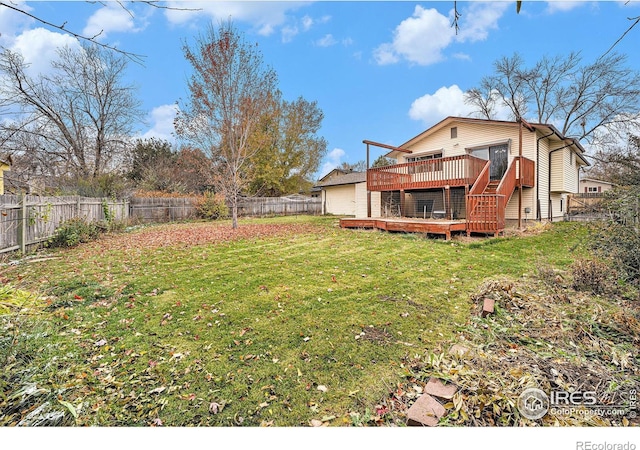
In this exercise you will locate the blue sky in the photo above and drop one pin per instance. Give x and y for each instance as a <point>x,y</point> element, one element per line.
<point>383,71</point>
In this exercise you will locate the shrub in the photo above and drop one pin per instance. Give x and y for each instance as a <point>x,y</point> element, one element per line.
<point>212,206</point>
<point>619,243</point>
<point>593,276</point>
<point>73,232</point>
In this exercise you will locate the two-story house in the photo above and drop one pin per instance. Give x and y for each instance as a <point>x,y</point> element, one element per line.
<point>486,173</point>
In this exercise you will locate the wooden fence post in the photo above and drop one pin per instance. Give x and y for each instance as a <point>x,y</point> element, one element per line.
<point>22,223</point>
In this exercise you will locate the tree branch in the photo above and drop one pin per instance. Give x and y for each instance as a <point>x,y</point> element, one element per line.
<point>137,58</point>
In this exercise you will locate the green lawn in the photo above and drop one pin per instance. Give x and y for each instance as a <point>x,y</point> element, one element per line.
<point>273,328</point>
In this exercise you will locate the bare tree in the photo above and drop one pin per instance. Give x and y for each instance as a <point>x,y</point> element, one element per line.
<point>81,114</point>
<point>230,89</point>
<point>584,99</point>
<point>92,39</point>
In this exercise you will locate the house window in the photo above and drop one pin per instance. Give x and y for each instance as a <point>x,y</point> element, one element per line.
<point>454,132</point>
<point>427,166</point>
<point>573,158</point>
<point>593,189</point>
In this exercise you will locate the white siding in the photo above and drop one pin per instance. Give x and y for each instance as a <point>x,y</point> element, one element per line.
<point>339,200</point>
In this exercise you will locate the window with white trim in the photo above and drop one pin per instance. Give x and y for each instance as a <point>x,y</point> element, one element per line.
<point>428,166</point>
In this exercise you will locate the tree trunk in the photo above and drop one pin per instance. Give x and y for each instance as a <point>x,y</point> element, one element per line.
<point>234,213</point>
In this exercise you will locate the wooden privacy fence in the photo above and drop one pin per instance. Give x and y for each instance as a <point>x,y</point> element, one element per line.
<point>279,206</point>
<point>154,209</point>
<point>27,220</point>
<point>172,209</point>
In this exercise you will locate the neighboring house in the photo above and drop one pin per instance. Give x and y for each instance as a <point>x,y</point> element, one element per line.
<point>4,166</point>
<point>593,186</point>
<point>345,193</point>
<point>486,172</point>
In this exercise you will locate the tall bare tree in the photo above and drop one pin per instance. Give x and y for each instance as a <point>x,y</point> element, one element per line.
<point>587,101</point>
<point>230,89</point>
<point>81,113</point>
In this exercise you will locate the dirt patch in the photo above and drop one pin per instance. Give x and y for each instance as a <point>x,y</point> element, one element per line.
<point>376,335</point>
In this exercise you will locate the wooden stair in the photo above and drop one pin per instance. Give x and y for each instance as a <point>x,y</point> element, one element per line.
<point>486,210</point>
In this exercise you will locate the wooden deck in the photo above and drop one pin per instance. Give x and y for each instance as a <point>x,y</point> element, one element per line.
<point>408,225</point>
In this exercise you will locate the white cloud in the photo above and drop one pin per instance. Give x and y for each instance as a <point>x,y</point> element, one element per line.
<point>446,101</point>
<point>162,119</point>
<point>419,39</point>
<point>288,33</point>
<point>347,42</point>
<point>422,38</point>
<point>332,160</point>
<point>560,6</point>
<point>38,47</point>
<point>265,17</point>
<point>110,18</point>
<point>307,23</point>
<point>13,22</point>
<point>479,19</point>
<point>327,41</point>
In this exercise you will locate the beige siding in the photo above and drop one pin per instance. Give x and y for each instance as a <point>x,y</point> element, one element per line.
<point>339,200</point>
<point>474,135</point>
<point>361,202</point>
<point>558,206</point>
<point>543,178</point>
<point>564,171</point>
<point>528,201</point>
<point>594,184</point>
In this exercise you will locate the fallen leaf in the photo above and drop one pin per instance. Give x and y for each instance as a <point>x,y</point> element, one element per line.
<point>322,388</point>
<point>214,408</point>
<point>157,390</point>
<point>70,407</point>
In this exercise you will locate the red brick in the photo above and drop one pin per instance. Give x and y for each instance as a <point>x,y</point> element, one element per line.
<point>438,389</point>
<point>488,306</point>
<point>425,412</point>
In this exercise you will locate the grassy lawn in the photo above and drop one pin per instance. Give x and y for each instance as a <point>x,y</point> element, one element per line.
<point>292,320</point>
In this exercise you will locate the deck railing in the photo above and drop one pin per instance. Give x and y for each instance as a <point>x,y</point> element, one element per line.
<point>482,181</point>
<point>432,173</point>
<point>486,211</point>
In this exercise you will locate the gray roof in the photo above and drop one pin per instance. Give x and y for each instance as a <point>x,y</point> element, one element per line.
<point>347,178</point>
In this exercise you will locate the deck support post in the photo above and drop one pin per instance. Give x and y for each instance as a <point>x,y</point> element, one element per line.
<point>447,206</point>
<point>368,191</point>
<point>402,202</point>
<point>519,175</point>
